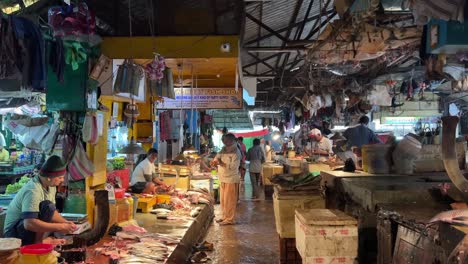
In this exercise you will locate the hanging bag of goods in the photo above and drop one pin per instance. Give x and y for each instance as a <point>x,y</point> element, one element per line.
<point>72,20</point>
<point>90,129</point>
<point>129,76</point>
<point>80,166</point>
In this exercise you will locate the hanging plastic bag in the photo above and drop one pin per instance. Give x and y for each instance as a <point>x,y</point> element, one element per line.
<point>79,166</point>
<point>129,76</point>
<point>90,130</point>
<point>51,137</point>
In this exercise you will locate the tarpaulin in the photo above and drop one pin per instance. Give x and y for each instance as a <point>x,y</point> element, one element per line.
<point>259,133</point>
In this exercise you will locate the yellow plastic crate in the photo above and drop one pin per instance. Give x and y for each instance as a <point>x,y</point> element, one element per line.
<point>163,199</point>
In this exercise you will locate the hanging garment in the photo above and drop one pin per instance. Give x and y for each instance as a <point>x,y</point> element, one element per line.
<point>10,61</point>
<point>164,126</point>
<point>29,37</point>
<point>57,58</point>
<point>75,54</point>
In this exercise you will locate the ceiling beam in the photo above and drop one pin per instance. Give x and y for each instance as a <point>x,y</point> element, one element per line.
<point>275,49</point>
<point>259,61</point>
<point>288,34</point>
<point>262,62</point>
<point>267,28</point>
<point>284,29</point>
<point>316,24</point>
<point>268,73</point>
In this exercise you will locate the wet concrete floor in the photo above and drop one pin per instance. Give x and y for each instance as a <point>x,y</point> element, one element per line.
<point>253,239</point>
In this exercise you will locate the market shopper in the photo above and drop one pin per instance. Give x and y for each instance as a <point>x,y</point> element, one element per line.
<point>360,135</point>
<point>32,213</point>
<point>262,146</point>
<point>318,144</point>
<point>145,172</point>
<point>243,149</point>
<point>326,128</point>
<point>228,161</point>
<point>268,151</point>
<point>256,158</point>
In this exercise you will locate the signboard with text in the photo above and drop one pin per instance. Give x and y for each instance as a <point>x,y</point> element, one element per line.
<point>388,120</point>
<point>203,98</point>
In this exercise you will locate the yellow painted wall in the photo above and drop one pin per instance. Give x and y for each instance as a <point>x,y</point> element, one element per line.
<point>170,47</point>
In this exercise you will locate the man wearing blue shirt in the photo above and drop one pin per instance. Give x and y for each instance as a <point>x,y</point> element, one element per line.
<point>360,135</point>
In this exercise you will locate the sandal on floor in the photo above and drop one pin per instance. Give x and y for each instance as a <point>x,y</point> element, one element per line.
<point>219,220</point>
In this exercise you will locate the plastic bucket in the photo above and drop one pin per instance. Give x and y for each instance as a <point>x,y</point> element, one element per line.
<point>37,254</point>
<point>406,152</point>
<point>409,146</point>
<point>119,193</point>
<point>376,158</point>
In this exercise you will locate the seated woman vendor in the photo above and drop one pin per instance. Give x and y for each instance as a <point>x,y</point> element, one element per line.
<point>32,214</point>
<point>318,145</point>
<point>145,174</point>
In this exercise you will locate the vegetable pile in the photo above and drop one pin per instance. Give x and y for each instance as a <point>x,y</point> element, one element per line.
<point>15,187</point>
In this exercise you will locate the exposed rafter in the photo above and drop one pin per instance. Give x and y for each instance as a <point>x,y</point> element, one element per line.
<point>310,19</point>
<point>267,28</point>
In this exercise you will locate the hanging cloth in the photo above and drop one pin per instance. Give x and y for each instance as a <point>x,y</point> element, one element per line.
<point>10,62</point>
<point>75,54</point>
<point>34,68</point>
<point>79,166</point>
<point>57,58</point>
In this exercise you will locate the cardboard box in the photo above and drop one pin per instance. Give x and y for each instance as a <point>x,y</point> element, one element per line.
<point>326,236</point>
<point>284,207</point>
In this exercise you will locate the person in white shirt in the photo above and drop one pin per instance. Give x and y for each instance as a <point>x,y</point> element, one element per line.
<point>268,151</point>
<point>262,146</point>
<point>228,161</point>
<point>319,144</point>
<point>145,172</point>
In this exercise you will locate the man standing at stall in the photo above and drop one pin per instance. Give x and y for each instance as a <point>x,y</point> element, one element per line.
<point>32,214</point>
<point>228,161</point>
<point>360,135</point>
<point>319,144</point>
<point>145,172</point>
<point>243,150</point>
<point>256,158</point>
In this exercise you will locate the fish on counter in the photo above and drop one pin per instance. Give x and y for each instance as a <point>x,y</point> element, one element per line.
<point>457,217</point>
<point>127,235</point>
<point>161,211</point>
<point>134,229</point>
<point>195,212</point>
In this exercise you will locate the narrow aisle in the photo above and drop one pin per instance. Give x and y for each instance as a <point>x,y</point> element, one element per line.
<point>253,239</point>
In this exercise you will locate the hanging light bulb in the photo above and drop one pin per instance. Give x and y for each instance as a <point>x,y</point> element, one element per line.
<point>180,158</point>
<point>132,148</point>
<point>191,149</point>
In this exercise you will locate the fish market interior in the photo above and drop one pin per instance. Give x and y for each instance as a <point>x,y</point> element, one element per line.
<point>249,131</point>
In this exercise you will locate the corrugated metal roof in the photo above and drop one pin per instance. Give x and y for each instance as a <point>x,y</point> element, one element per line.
<point>277,15</point>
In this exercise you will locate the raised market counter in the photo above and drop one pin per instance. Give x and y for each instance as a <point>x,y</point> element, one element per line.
<point>361,194</point>
<point>186,231</point>
<point>365,188</point>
